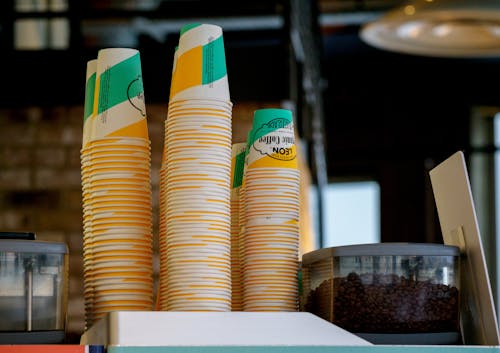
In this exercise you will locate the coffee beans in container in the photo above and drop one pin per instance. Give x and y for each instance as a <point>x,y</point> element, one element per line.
<point>386,291</point>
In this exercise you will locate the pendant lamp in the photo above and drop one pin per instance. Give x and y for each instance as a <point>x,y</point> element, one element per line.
<point>441,28</point>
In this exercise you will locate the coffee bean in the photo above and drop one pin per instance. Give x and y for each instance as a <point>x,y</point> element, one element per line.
<point>386,304</point>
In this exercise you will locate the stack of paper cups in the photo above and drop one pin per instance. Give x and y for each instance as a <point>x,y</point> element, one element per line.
<point>162,228</point>
<point>117,214</point>
<point>241,213</point>
<point>237,164</point>
<point>271,213</point>
<point>163,214</point>
<point>195,244</point>
<point>87,127</point>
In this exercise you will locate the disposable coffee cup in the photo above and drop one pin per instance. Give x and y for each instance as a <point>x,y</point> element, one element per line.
<point>272,140</point>
<point>121,110</point>
<point>200,70</point>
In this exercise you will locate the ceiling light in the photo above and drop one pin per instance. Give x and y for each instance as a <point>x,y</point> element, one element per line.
<point>447,28</point>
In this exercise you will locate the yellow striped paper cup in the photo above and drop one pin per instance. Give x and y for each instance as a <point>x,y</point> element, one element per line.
<point>200,67</point>
<point>119,107</point>
<point>272,140</point>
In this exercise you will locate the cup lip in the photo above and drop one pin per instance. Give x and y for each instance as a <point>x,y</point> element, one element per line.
<point>201,122</point>
<point>189,28</point>
<point>193,96</point>
<point>118,142</point>
<point>105,51</point>
<point>119,157</point>
<point>201,101</point>
<point>198,110</point>
<point>192,25</point>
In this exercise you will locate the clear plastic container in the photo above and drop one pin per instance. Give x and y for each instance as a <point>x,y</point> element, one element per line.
<point>384,289</point>
<point>33,290</point>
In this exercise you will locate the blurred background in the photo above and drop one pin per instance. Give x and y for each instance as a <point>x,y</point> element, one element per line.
<point>372,122</point>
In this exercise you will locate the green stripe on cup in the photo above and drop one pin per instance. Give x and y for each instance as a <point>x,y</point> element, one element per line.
<point>268,120</point>
<point>119,83</point>
<point>214,61</point>
<point>89,97</point>
<point>189,26</point>
<point>238,169</point>
<point>249,144</point>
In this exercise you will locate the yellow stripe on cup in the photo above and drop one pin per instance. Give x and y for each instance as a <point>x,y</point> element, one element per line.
<point>137,129</point>
<point>187,71</point>
<point>120,121</point>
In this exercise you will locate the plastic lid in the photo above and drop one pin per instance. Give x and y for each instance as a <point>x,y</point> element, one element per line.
<point>32,246</point>
<point>382,249</point>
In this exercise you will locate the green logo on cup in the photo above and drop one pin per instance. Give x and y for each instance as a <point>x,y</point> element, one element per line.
<point>135,94</point>
<point>276,139</point>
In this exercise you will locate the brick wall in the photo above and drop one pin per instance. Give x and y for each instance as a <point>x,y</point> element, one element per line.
<point>40,185</point>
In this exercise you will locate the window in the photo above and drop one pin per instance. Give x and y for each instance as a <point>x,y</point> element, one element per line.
<point>351,213</point>
<point>41,25</point>
<point>485,184</point>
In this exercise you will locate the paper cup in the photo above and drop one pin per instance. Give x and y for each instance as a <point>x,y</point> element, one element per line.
<point>120,105</point>
<point>200,70</point>
<point>272,140</point>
